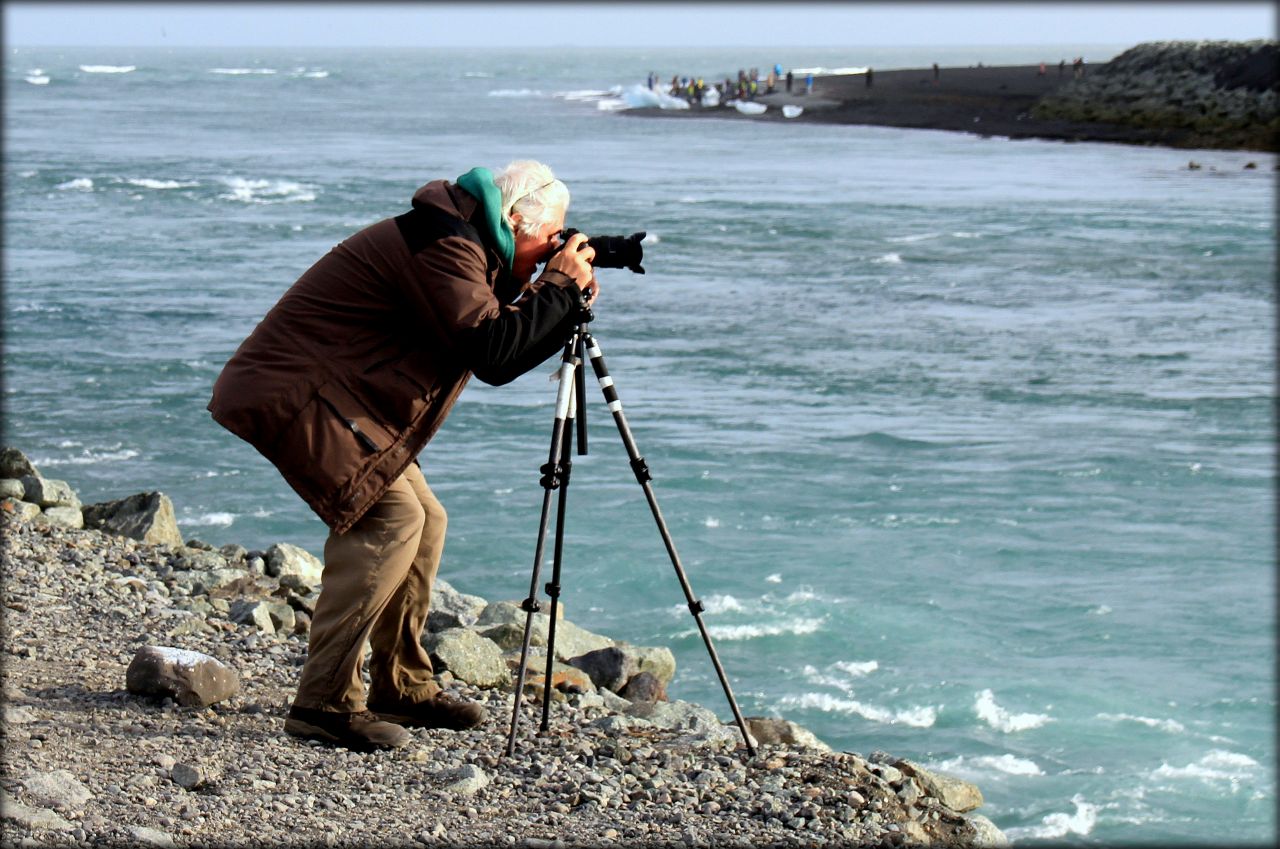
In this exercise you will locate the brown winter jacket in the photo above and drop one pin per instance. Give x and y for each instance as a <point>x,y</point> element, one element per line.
<point>349,375</point>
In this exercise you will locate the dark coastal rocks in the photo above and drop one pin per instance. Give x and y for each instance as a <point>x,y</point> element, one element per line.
<point>644,687</point>
<point>14,464</point>
<point>609,668</point>
<point>147,517</point>
<point>1212,94</point>
<point>188,677</point>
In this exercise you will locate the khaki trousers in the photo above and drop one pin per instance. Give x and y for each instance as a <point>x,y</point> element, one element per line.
<point>376,586</point>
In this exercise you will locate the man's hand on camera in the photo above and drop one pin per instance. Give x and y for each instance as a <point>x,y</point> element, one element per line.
<point>574,259</point>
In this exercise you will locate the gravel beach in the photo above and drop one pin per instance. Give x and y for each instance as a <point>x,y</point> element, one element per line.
<point>88,761</point>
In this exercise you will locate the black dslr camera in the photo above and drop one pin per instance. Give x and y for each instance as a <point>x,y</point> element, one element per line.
<point>614,251</point>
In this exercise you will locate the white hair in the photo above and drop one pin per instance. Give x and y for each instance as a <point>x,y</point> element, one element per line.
<point>529,187</point>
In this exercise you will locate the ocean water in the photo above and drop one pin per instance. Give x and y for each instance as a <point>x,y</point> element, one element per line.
<point>966,443</point>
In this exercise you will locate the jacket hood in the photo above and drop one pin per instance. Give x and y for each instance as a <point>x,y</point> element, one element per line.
<point>470,205</point>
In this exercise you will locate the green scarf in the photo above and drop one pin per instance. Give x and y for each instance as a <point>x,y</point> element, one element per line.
<point>478,182</point>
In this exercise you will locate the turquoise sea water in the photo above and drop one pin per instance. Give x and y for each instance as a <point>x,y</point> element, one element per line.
<point>967,444</point>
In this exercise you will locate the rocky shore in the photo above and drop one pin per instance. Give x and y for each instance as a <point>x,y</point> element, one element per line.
<point>1210,94</point>
<point>146,679</point>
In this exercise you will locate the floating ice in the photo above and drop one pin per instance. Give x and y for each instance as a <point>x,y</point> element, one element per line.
<point>37,79</point>
<point>748,108</point>
<point>790,110</point>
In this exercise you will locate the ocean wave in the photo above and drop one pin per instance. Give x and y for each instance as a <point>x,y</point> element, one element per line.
<point>1170,725</point>
<point>34,307</point>
<point>79,184</point>
<point>210,520</point>
<point>976,768</point>
<point>775,578</point>
<point>516,92</point>
<point>108,69</point>
<point>844,681</point>
<point>149,183</point>
<point>920,716</point>
<point>711,522</point>
<point>89,456</point>
<point>1001,720</point>
<point>1054,826</point>
<point>237,72</point>
<point>795,627</point>
<point>267,191</point>
<point>37,78</point>
<point>888,259</point>
<point>919,237</point>
<point>1218,766</point>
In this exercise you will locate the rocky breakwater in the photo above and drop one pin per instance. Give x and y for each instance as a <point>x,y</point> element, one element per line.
<point>146,680</point>
<point>1191,94</point>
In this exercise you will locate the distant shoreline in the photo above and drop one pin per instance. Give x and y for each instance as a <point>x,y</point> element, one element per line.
<point>987,101</point>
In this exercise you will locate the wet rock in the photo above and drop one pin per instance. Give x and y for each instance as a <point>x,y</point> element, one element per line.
<point>188,677</point>
<point>147,517</point>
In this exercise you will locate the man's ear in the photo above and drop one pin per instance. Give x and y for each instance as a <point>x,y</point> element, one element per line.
<point>516,218</point>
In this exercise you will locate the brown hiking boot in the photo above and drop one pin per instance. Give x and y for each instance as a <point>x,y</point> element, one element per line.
<point>361,732</point>
<point>439,711</point>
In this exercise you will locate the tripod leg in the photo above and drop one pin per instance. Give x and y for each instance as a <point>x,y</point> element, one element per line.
<point>550,480</point>
<point>553,587</point>
<point>641,470</point>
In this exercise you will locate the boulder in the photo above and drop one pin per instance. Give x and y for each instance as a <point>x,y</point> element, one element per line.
<point>190,678</point>
<point>32,818</point>
<point>468,656</point>
<point>66,517</point>
<point>644,687</point>
<point>49,493</point>
<point>768,730</point>
<point>57,789</point>
<point>294,567</point>
<point>14,464</point>
<point>24,511</point>
<point>959,796</point>
<point>503,622</point>
<point>656,660</point>
<point>147,516</point>
<point>986,834</point>
<point>253,612</point>
<point>452,609</point>
<point>609,668</point>
<point>12,488</point>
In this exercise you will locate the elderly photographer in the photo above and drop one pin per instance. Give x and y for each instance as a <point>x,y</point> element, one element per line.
<point>348,377</point>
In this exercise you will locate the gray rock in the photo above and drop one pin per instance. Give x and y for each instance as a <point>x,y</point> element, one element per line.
<point>14,464</point>
<point>233,552</point>
<point>12,488</point>
<point>677,715</point>
<point>986,834</point>
<point>56,789</point>
<point>23,511</point>
<point>189,777</point>
<point>295,567</point>
<point>147,516</point>
<point>247,611</point>
<point>16,715</point>
<point>49,493</point>
<point>283,617</point>
<point>466,780</point>
<point>769,730</point>
<point>644,687</point>
<point>151,837</point>
<point>610,668</point>
<point>32,818</point>
<point>468,656</point>
<point>504,622</point>
<point>190,678</point>
<point>452,609</point>
<point>656,660</point>
<point>959,796</point>
<point>66,517</point>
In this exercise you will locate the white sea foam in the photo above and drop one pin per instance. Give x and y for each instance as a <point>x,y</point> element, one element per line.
<point>888,259</point>
<point>89,456</point>
<point>920,716</point>
<point>482,75</point>
<point>1054,826</point>
<point>217,519</point>
<point>262,513</point>
<point>919,237</point>
<point>239,72</point>
<point>797,626</point>
<point>856,668</point>
<point>983,765</point>
<point>37,79</point>
<point>1170,725</point>
<point>148,183</point>
<point>1218,766</point>
<point>961,234</point>
<point>711,522</point>
<point>516,92</point>
<point>79,184</point>
<point>108,69</point>
<point>1000,719</point>
<point>775,578</point>
<point>267,191</point>
<point>717,604</point>
<point>30,307</point>
<point>1100,610</point>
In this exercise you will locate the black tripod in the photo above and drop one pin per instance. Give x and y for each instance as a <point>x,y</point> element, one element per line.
<point>555,475</point>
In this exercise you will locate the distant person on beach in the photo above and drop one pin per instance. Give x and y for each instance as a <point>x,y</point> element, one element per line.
<point>349,376</point>
<point>808,83</point>
<point>935,72</point>
<point>790,78</point>
<point>871,75</point>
